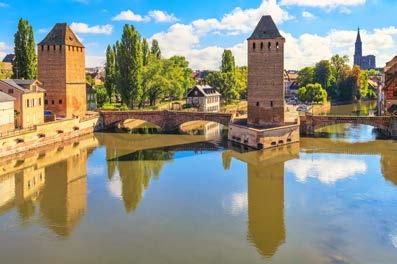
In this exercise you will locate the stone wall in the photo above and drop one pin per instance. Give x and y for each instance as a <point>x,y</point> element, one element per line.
<point>46,134</point>
<point>266,82</point>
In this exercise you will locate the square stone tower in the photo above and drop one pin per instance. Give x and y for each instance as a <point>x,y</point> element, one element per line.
<point>265,75</point>
<point>61,70</point>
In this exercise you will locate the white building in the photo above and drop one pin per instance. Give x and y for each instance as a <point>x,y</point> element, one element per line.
<point>205,98</point>
<point>6,112</point>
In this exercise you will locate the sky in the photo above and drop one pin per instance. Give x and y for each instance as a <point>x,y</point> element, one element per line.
<point>201,30</point>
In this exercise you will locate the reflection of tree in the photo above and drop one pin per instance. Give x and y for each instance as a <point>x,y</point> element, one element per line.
<point>136,170</point>
<point>389,166</point>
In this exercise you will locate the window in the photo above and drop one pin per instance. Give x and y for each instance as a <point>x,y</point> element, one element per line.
<point>271,103</point>
<point>46,102</point>
<point>52,102</point>
<point>261,45</point>
<point>254,45</point>
<point>257,103</point>
<point>48,48</point>
<point>27,103</point>
<point>277,46</point>
<point>60,101</point>
<point>269,46</point>
<point>39,101</point>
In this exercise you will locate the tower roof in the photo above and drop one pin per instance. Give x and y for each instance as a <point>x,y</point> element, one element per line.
<point>62,34</point>
<point>266,29</point>
<point>358,36</point>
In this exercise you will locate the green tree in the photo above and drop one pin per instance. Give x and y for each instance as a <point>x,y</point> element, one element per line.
<point>155,50</point>
<point>305,76</point>
<point>145,52</point>
<point>225,83</point>
<point>4,74</point>
<point>25,63</point>
<point>228,64</point>
<point>101,95</point>
<point>242,81</point>
<point>313,93</point>
<point>323,74</point>
<point>110,72</point>
<point>129,64</point>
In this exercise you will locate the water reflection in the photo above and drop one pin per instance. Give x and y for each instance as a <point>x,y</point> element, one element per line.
<point>54,180</point>
<point>265,169</point>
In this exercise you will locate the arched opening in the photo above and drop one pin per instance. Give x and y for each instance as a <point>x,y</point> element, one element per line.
<point>269,46</point>
<point>277,46</point>
<point>209,129</point>
<point>261,45</point>
<point>254,46</point>
<point>137,126</point>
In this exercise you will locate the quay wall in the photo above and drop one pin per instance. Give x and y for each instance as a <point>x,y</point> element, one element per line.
<point>46,134</point>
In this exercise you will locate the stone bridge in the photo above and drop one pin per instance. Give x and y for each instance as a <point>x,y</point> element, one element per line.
<point>166,120</point>
<point>310,123</point>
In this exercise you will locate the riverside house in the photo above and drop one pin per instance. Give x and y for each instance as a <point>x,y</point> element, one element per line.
<point>205,98</point>
<point>29,101</point>
<point>6,112</point>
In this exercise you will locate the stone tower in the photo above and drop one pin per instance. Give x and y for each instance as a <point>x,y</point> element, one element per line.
<point>358,51</point>
<point>265,75</point>
<point>61,69</point>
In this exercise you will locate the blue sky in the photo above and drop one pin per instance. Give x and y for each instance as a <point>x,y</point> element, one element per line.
<point>200,30</point>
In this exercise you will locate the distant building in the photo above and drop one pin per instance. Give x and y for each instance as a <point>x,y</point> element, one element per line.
<point>205,98</point>
<point>98,76</point>
<point>290,82</point>
<point>390,90</point>
<point>6,112</point>
<point>91,98</point>
<point>29,101</point>
<point>365,62</point>
<point>61,68</point>
<point>9,58</point>
<point>200,76</point>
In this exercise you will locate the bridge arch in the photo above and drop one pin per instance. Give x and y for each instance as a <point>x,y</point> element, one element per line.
<point>312,123</point>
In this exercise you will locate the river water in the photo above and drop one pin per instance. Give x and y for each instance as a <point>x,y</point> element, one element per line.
<point>125,198</point>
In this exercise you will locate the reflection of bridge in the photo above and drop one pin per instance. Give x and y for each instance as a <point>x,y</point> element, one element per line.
<point>167,120</point>
<point>310,123</point>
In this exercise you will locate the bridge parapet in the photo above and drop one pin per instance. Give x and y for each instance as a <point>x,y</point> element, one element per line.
<point>310,123</point>
<point>166,120</point>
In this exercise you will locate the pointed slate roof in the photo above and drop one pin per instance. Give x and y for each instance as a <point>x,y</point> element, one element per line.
<point>266,29</point>
<point>358,40</point>
<point>61,34</point>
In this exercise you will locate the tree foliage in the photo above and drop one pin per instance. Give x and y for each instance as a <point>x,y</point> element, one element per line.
<point>110,72</point>
<point>313,93</point>
<point>25,63</point>
<point>155,50</point>
<point>129,64</point>
<point>228,64</point>
<point>306,76</point>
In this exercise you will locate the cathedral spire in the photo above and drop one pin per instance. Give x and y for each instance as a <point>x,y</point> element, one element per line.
<point>358,40</point>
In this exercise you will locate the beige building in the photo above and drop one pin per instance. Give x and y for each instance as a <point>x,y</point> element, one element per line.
<point>29,103</point>
<point>6,112</point>
<point>205,98</point>
<point>61,69</point>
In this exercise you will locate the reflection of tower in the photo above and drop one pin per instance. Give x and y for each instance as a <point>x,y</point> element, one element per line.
<point>266,227</point>
<point>64,199</point>
<point>266,207</point>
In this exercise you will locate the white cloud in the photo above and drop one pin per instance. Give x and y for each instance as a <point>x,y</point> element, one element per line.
<point>236,204</point>
<point>308,15</point>
<point>128,15</point>
<point>43,30</point>
<point>162,17</point>
<point>95,61</point>
<point>3,46</point>
<point>345,10</point>
<point>323,3</point>
<point>326,170</point>
<point>4,5</point>
<point>86,29</point>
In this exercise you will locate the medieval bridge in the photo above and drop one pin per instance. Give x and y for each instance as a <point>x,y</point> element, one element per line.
<point>310,123</point>
<point>166,120</point>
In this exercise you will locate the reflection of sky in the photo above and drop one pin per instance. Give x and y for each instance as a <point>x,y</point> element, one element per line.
<point>327,170</point>
<point>236,203</point>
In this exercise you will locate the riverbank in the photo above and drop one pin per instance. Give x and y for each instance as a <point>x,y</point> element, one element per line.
<point>46,134</point>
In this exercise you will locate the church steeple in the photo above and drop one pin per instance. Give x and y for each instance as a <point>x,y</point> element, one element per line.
<point>358,51</point>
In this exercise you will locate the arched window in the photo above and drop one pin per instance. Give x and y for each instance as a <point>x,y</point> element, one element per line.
<point>261,45</point>
<point>277,46</point>
<point>269,46</point>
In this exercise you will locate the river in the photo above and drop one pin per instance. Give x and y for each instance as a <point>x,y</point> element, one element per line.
<point>127,198</point>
